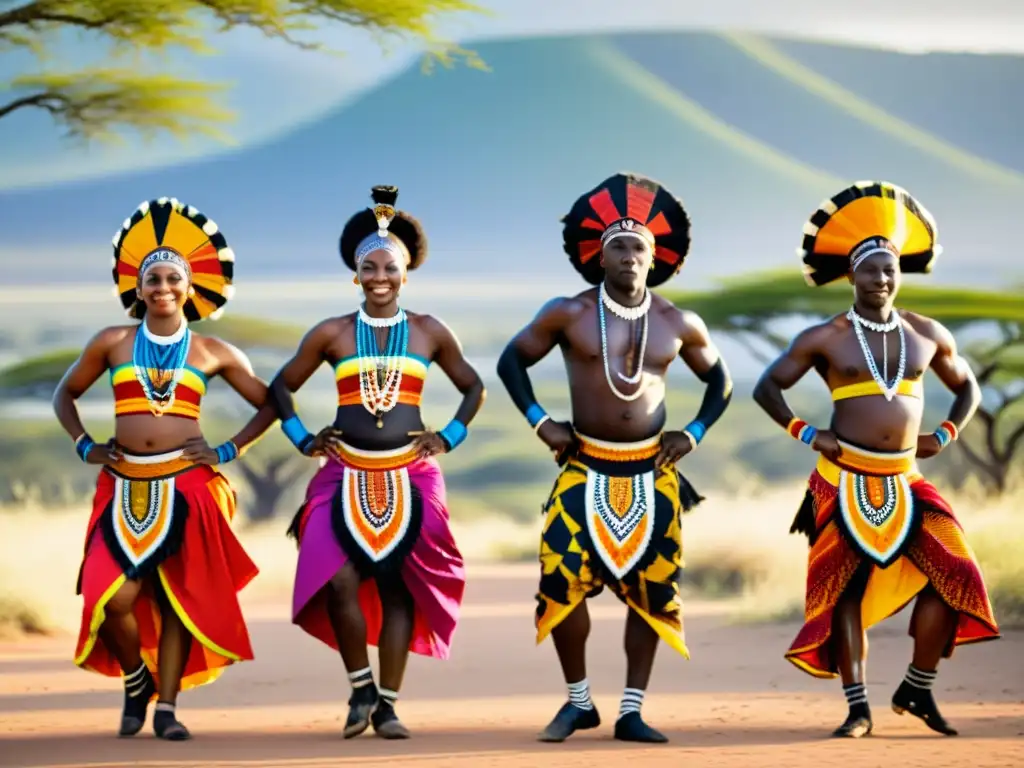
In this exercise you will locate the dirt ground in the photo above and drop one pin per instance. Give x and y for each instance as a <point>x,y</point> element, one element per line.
<point>735,703</point>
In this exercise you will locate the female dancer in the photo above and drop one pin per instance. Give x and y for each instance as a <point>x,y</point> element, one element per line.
<point>377,561</point>
<point>161,568</point>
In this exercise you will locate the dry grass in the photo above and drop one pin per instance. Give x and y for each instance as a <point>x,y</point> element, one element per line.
<point>735,547</point>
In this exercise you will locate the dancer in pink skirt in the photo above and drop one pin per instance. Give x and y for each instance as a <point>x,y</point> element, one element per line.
<point>377,561</point>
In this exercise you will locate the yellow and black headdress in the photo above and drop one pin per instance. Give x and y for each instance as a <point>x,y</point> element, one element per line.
<point>383,228</point>
<point>867,218</point>
<point>626,204</point>
<point>167,232</point>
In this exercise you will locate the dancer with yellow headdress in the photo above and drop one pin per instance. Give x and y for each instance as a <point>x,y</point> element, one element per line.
<point>880,534</point>
<point>613,517</point>
<point>161,566</point>
<point>377,560</point>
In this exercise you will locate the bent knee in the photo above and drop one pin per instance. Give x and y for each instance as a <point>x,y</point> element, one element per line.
<point>124,599</point>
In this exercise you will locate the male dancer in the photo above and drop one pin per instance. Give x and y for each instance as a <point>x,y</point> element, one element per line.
<point>613,516</point>
<point>879,533</point>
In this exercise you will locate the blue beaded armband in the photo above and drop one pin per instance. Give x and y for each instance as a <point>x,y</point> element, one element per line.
<point>696,429</point>
<point>226,452</point>
<point>295,431</point>
<point>453,434</point>
<point>535,414</point>
<point>83,445</point>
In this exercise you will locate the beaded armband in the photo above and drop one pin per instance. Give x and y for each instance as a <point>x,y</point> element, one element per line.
<point>947,433</point>
<point>295,431</point>
<point>536,416</point>
<point>802,431</point>
<point>695,430</point>
<point>226,452</point>
<point>453,434</point>
<point>83,445</point>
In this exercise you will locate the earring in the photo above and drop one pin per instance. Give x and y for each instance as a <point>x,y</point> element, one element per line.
<point>191,291</point>
<point>405,279</point>
<point>355,280</point>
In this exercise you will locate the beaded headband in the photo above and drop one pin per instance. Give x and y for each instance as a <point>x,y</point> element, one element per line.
<point>627,228</point>
<point>165,257</point>
<point>868,248</point>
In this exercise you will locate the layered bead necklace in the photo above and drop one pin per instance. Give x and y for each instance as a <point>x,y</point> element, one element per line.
<point>626,313</point>
<point>859,324</point>
<point>159,364</point>
<point>380,372</point>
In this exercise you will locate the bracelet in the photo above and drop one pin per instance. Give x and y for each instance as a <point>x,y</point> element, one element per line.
<point>539,424</point>
<point>946,433</point>
<point>83,445</point>
<point>802,431</point>
<point>226,452</point>
<point>295,431</point>
<point>695,430</point>
<point>536,416</point>
<point>453,434</point>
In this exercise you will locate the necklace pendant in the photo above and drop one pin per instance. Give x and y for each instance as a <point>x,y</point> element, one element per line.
<point>380,422</point>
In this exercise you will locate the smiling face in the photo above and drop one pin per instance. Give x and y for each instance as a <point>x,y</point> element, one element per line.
<point>381,275</point>
<point>876,281</point>
<point>627,262</point>
<point>164,291</point>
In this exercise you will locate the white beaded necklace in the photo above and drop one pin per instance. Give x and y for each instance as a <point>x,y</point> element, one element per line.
<point>859,323</point>
<point>626,313</point>
<point>381,322</point>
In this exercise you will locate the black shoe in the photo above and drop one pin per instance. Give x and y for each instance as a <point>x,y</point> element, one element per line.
<point>386,723</point>
<point>920,703</point>
<point>133,714</point>
<point>858,723</point>
<point>570,719</point>
<point>361,705</point>
<point>631,727</point>
<point>167,727</point>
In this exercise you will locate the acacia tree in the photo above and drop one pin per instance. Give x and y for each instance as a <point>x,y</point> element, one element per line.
<point>94,102</point>
<point>752,309</point>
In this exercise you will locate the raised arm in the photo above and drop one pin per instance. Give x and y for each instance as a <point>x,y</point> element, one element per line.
<point>448,355</point>
<point>293,375</point>
<point>527,348</point>
<point>955,372</point>
<point>83,373</point>
<point>791,366</point>
<point>703,358</point>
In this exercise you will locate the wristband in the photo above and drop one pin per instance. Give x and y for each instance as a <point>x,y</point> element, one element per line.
<point>453,434</point>
<point>946,433</point>
<point>536,416</point>
<point>83,445</point>
<point>226,452</point>
<point>696,430</point>
<point>802,431</point>
<point>295,431</point>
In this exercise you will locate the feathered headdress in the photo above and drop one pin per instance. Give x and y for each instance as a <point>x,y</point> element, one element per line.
<point>869,217</point>
<point>626,203</point>
<point>168,232</point>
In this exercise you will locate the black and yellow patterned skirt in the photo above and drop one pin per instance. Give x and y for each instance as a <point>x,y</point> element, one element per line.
<point>613,519</point>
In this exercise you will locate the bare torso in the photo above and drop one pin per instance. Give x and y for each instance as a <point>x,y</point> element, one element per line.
<point>872,421</point>
<point>596,411</point>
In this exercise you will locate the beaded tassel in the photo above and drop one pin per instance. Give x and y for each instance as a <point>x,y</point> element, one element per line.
<point>380,382</point>
<point>159,367</point>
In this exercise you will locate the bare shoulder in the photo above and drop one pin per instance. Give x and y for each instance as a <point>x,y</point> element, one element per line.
<point>110,337</point>
<point>927,327</point>
<point>432,326</point>
<point>685,322</point>
<point>818,337</point>
<point>564,310</point>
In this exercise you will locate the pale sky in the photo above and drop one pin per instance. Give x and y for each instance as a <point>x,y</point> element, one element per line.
<point>275,87</point>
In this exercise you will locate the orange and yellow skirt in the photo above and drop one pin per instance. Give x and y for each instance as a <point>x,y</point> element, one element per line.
<point>613,519</point>
<point>165,521</point>
<point>874,520</point>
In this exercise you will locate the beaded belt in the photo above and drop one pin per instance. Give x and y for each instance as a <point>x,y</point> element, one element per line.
<point>375,460</point>
<point>151,467</point>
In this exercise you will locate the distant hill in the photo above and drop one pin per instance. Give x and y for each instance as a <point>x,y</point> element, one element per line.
<point>490,161</point>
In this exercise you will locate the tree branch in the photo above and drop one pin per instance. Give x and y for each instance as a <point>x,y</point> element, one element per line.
<point>985,466</point>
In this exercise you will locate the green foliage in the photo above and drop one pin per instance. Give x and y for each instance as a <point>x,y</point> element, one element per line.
<point>37,375</point>
<point>94,103</point>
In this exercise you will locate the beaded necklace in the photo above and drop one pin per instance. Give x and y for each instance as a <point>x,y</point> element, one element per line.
<point>159,364</point>
<point>627,313</point>
<point>859,323</point>
<point>380,372</point>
